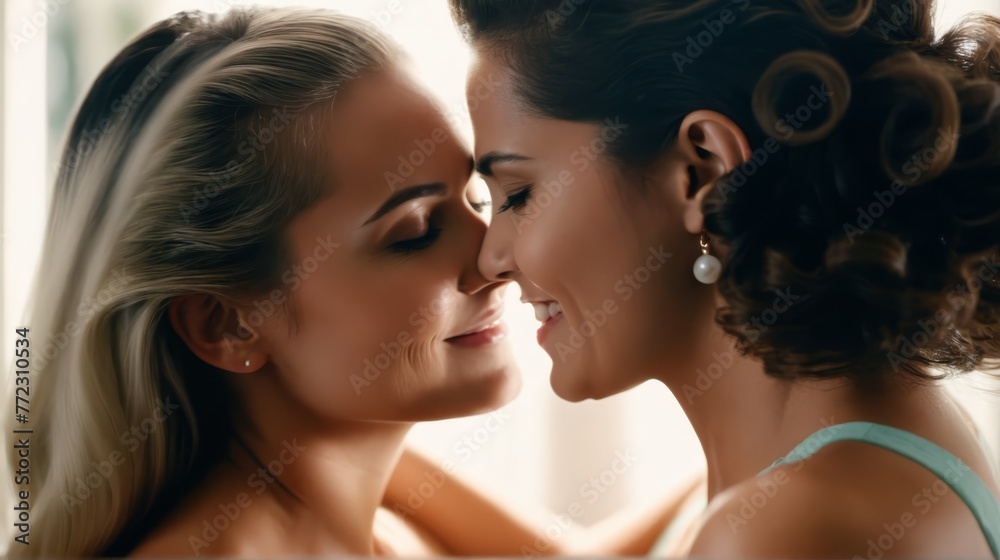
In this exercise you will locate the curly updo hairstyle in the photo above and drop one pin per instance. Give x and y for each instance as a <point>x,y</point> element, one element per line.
<point>874,185</point>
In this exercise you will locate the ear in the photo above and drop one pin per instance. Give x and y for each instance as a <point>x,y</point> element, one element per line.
<point>708,146</point>
<point>216,332</point>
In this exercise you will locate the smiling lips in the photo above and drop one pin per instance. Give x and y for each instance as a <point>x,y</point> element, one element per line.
<point>494,329</point>
<point>490,330</point>
<point>549,313</point>
<point>491,333</point>
<point>546,310</point>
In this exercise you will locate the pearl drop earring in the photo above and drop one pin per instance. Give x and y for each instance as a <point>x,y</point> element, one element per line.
<point>707,268</point>
<point>247,363</point>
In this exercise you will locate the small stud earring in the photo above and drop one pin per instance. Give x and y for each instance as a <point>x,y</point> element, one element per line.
<point>707,268</point>
<point>247,363</point>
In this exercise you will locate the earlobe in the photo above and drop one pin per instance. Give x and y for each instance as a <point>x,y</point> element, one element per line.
<point>711,145</point>
<point>213,331</point>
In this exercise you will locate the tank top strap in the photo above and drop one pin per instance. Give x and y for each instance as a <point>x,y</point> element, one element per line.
<point>946,466</point>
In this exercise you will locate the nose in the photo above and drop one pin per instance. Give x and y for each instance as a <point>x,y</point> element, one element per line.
<point>476,277</point>
<point>496,256</point>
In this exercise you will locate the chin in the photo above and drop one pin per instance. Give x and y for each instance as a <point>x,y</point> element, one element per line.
<point>479,392</point>
<point>577,383</point>
<point>501,387</point>
<point>570,384</point>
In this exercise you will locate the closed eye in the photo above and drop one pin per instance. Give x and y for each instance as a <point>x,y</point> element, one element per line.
<point>408,246</point>
<point>516,201</point>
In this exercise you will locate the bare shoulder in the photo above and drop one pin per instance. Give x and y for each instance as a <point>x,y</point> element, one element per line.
<point>789,512</point>
<point>192,532</point>
<point>164,542</point>
<point>218,520</point>
<point>405,536</point>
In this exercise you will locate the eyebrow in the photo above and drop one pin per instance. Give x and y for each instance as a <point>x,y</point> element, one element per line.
<point>484,166</point>
<point>406,195</point>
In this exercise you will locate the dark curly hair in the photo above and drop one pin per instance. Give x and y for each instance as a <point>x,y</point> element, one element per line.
<point>874,185</point>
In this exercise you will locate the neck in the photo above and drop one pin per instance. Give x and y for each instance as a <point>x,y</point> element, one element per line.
<point>731,406</point>
<point>745,419</point>
<point>332,478</point>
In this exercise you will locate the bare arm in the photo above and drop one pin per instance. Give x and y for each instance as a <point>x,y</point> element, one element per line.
<point>464,519</point>
<point>634,532</point>
<point>471,523</point>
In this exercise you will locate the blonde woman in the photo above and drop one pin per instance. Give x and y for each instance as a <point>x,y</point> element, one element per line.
<point>237,318</point>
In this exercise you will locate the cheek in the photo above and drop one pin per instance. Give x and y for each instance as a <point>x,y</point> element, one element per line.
<point>587,250</point>
<point>362,379</point>
<point>368,325</point>
<point>406,370</point>
<point>578,244</point>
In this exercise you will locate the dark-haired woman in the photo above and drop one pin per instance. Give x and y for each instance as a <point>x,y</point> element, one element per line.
<point>787,211</point>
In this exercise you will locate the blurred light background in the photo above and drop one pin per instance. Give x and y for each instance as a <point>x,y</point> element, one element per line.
<point>539,450</point>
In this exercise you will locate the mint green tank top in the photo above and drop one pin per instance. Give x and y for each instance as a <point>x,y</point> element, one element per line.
<point>967,485</point>
<point>949,468</point>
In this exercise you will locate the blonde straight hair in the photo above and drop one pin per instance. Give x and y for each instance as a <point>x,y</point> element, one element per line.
<point>192,151</point>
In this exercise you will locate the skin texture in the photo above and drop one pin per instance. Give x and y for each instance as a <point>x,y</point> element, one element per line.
<point>601,251</point>
<point>306,388</point>
<point>575,248</point>
<point>473,523</point>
